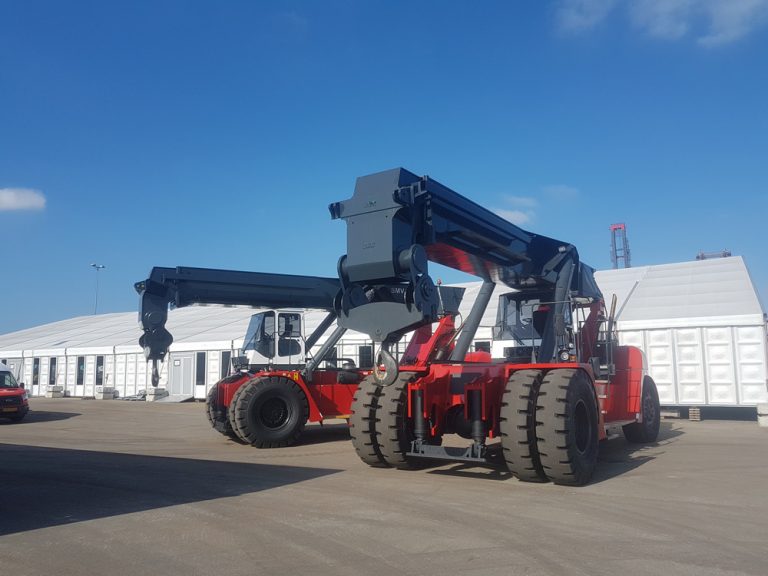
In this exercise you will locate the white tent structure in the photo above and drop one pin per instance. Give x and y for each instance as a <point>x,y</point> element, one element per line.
<point>700,324</point>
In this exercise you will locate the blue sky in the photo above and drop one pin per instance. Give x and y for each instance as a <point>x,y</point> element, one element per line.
<point>215,134</point>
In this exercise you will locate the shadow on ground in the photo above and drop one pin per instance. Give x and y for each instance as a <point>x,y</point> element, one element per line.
<point>325,433</point>
<point>616,457</point>
<point>41,416</point>
<point>44,487</point>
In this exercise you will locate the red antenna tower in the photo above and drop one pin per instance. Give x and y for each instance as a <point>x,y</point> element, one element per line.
<point>619,245</point>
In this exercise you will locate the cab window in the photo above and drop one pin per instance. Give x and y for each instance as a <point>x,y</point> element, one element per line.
<point>260,336</point>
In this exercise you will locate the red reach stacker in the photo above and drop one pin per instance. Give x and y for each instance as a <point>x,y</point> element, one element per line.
<point>564,384</point>
<point>279,383</point>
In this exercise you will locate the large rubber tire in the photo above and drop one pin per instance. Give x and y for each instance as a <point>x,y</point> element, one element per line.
<point>270,412</point>
<point>394,431</point>
<point>518,426</point>
<point>567,426</point>
<point>231,414</point>
<point>647,430</point>
<point>217,414</point>
<point>362,423</point>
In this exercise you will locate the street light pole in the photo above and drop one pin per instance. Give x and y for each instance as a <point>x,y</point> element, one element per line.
<point>97,267</point>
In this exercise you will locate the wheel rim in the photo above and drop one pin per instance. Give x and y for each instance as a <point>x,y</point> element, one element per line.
<point>583,429</point>
<point>649,410</point>
<point>274,413</point>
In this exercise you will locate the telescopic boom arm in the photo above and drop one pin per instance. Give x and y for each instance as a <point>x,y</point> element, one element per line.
<point>183,286</point>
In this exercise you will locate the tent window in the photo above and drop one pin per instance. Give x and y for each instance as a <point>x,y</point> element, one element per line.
<point>226,358</point>
<point>365,356</point>
<point>200,369</point>
<point>80,370</point>
<point>99,370</point>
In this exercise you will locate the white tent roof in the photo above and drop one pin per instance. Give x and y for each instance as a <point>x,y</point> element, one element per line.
<point>715,292</point>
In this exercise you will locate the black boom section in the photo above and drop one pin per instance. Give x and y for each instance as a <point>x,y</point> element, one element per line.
<point>183,286</point>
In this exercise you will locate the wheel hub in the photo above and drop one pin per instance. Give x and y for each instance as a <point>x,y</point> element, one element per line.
<point>649,410</point>
<point>274,413</point>
<point>583,428</point>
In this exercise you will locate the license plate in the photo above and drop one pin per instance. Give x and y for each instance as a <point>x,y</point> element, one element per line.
<point>9,409</point>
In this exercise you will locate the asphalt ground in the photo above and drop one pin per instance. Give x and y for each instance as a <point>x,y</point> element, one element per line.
<point>113,488</point>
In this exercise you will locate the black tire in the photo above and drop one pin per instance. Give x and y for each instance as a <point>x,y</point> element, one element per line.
<point>217,414</point>
<point>362,423</point>
<point>647,430</point>
<point>270,412</point>
<point>231,414</point>
<point>394,431</point>
<point>17,417</point>
<point>518,426</point>
<point>567,427</point>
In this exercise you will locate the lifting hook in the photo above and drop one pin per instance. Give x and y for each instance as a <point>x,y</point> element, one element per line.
<point>387,376</point>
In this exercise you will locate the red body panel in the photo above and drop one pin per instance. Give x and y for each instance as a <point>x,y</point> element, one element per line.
<point>11,410</point>
<point>622,393</point>
<point>327,397</point>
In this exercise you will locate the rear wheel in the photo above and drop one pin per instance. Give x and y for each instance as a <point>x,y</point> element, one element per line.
<point>647,430</point>
<point>394,429</point>
<point>270,412</point>
<point>217,414</point>
<point>518,426</point>
<point>362,423</point>
<point>567,427</point>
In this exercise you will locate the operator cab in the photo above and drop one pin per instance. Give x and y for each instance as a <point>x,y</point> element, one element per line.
<point>275,338</point>
<point>531,327</point>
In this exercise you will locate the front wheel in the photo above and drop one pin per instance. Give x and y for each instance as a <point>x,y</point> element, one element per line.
<point>647,430</point>
<point>518,426</point>
<point>18,417</point>
<point>567,427</point>
<point>362,423</point>
<point>217,414</point>
<point>270,412</point>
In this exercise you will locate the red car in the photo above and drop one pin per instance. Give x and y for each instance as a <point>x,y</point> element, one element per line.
<point>14,403</point>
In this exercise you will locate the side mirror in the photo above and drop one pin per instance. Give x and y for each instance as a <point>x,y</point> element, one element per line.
<point>21,385</point>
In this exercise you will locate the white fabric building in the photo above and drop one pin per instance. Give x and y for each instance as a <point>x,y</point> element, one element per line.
<point>700,324</point>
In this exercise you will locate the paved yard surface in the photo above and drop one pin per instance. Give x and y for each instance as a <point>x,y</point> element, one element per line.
<point>112,487</point>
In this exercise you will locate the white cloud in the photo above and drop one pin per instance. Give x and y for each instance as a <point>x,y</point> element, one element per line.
<point>21,199</point>
<point>518,217</point>
<point>731,20</point>
<point>560,192</point>
<point>521,209</point>
<point>711,22</point>
<point>666,19</point>
<point>581,15</point>
<point>521,201</point>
